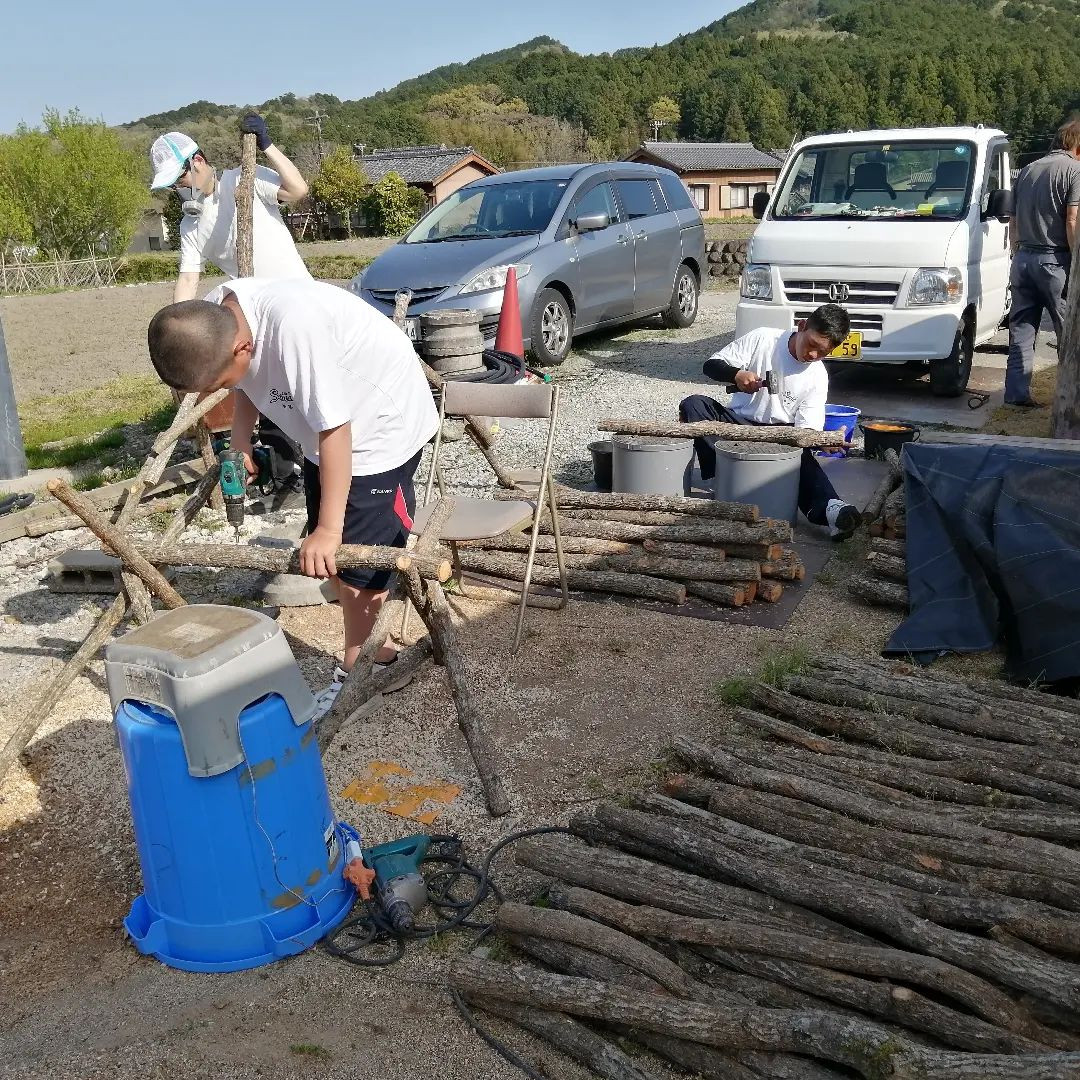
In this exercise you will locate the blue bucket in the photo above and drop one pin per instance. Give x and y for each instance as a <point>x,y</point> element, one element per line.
<point>840,418</point>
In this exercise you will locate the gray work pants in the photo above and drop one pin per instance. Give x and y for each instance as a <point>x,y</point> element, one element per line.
<point>1039,281</point>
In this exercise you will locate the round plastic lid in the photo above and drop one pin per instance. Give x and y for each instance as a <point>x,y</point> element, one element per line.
<point>652,445</point>
<point>759,451</point>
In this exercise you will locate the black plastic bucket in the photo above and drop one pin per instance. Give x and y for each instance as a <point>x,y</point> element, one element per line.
<point>601,463</point>
<point>882,435</point>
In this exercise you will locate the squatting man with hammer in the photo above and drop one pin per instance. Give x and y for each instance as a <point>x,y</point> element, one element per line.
<point>793,359</point>
<point>342,380</point>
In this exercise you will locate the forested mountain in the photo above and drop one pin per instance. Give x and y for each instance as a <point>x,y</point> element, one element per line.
<point>769,71</point>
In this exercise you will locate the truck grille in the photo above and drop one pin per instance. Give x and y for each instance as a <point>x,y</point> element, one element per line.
<point>862,293</point>
<point>870,325</point>
<point>419,296</point>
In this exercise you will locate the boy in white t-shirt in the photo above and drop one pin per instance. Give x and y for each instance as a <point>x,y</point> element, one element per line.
<point>802,387</point>
<point>208,227</point>
<point>342,380</point>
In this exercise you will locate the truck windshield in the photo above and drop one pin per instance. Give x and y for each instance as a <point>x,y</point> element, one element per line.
<point>908,180</point>
<point>493,210</point>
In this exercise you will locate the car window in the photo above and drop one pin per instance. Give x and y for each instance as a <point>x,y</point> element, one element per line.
<point>490,210</point>
<point>640,198</point>
<point>599,200</point>
<point>678,198</point>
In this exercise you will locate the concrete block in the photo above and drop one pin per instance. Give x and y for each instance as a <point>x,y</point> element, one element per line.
<point>296,590</point>
<point>88,570</point>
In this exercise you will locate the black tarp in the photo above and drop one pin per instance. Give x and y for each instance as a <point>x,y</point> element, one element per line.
<point>993,555</point>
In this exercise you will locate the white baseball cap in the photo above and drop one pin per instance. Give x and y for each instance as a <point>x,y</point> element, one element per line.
<point>168,156</point>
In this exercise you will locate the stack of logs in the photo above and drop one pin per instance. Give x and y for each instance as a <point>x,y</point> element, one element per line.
<point>655,547</point>
<point>890,886</point>
<point>885,517</point>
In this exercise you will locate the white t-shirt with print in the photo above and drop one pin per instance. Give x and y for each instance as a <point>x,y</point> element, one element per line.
<point>210,236</point>
<point>323,357</point>
<point>802,388</point>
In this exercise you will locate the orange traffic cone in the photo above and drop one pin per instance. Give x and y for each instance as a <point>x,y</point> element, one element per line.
<point>508,336</point>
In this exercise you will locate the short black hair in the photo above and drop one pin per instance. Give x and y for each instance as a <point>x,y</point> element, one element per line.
<point>191,343</point>
<point>831,321</point>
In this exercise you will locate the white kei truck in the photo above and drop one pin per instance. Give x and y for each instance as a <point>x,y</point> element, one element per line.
<point>907,229</point>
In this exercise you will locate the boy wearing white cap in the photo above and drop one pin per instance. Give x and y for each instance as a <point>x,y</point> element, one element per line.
<point>208,228</point>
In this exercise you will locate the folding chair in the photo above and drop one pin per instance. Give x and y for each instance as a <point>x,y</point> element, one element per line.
<point>481,519</point>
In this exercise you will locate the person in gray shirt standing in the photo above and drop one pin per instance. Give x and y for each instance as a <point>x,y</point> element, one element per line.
<point>1043,230</point>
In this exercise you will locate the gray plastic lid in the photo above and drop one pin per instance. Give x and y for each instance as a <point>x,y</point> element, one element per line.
<point>757,451</point>
<point>655,445</point>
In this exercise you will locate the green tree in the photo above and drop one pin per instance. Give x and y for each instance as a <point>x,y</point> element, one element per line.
<point>391,207</point>
<point>735,125</point>
<point>71,188</point>
<point>663,111</point>
<point>340,184</point>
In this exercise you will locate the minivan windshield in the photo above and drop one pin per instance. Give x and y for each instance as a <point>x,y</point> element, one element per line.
<point>491,210</point>
<point>885,180</point>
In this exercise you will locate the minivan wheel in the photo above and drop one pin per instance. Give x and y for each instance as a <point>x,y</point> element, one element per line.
<point>552,328</point>
<point>682,311</point>
<point>949,376</point>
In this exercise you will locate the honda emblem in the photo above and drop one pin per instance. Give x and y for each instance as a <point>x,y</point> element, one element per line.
<point>838,292</point>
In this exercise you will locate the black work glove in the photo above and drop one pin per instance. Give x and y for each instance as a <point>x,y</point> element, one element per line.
<point>254,124</point>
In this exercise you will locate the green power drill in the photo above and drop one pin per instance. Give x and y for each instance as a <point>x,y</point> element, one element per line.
<point>233,487</point>
<point>399,884</point>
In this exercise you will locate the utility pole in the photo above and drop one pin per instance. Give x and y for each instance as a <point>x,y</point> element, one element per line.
<point>316,122</point>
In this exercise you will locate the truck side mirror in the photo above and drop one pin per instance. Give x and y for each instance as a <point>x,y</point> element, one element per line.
<point>999,204</point>
<point>761,204</point>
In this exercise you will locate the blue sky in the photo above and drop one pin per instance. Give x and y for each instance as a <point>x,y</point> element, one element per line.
<point>120,60</point>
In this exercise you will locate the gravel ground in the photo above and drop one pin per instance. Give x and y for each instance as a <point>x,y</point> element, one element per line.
<point>569,726</point>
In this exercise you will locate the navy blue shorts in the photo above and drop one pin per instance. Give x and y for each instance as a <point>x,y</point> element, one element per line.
<point>379,510</point>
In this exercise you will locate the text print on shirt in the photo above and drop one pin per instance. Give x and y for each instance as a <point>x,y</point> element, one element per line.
<point>281,397</point>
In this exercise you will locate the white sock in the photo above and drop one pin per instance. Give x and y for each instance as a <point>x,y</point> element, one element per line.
<point>832,509</point>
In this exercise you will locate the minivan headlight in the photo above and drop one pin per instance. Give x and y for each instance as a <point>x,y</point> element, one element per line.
<point>357,283</point>
<point>494,277</point>
<point>756,282</point>
<point>936,285</point>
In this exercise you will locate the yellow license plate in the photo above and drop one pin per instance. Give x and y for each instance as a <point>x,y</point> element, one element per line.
<point>850,348</point>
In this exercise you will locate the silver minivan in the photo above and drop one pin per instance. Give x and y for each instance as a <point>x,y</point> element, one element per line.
<point>592,245</point>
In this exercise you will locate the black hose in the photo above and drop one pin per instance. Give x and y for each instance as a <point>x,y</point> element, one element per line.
<point>499,368</point>
<point>499,1047</point>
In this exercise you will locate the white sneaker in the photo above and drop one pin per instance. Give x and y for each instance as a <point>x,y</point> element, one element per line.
<point>324,701</point>
<point>843,519</point>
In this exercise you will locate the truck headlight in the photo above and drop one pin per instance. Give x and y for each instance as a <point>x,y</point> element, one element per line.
<point>494,277</point>
<point>936,285</point>
<point>756,282</point>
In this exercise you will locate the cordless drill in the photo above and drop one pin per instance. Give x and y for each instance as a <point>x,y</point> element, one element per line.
<point>233,487</point>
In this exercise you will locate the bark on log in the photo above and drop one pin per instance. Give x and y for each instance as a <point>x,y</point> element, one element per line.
<point>280,561</point>
<point>199,498</point>
<point>769,592</point>
<point>571,545</point>
<point>1026,853</point>
<point>46,525</point>
<point>894,504</point>
<point>489,595</point>
<point>888,567</point>
<point>723,533</point>
<point>724,595</point>
<point>871,1050</point>
<point>849,897</point>
<point>571,499</point>
<point>629,517</point>
<point>184,422</point>
<point>891,479</point>
<point>909,1008</point>
<point>570,1037</point>
<point>41,708</point>
<point>807,438</point>
<point>142,610</point>
<point>117,542</point>
<point>896,548</point>
<point>789,567</point>
<point>686,569</point>
<point>879,593</point>
<point>758,553</point>
<point>245,208</point>
<point>513,568</point>
<point>642,881</point>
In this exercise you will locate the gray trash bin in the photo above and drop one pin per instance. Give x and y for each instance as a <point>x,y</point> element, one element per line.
<point>651,466</point>
<point>762,473</point>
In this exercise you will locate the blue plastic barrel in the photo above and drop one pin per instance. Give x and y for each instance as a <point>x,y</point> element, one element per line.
<point>241,868</point>
<point>840,418</point>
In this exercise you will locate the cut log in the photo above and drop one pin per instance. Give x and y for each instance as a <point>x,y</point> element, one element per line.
<point>117,542</point>
<point>142,610</point>
<point>571,545</point>
<point>872,1051</point>
<point>848,897</point>
<point>572,499</point>
<point>879,593</point>
<point>894,504</point>
<point>896,548</point>
<point>39,711</point>
<point>888,483</point>
<point>807,438</point>
<point>724,595</point>
<point>888,567</point>
<point>199,498</point>
<point>723,533</point>
<point>737,570</point>
<point>281,561</point>
<point>630,517</point>
<point>769,592</point>
<point>910,1008</point>
<point>513,568</point>
<point>789,567</point>
<point>489,595</point>
<point>184,422</point>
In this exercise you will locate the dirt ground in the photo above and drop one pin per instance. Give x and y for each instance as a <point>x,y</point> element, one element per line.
<point>585,710</point>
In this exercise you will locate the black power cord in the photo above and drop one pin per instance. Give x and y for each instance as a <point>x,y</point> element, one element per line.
<point>367,939</point>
